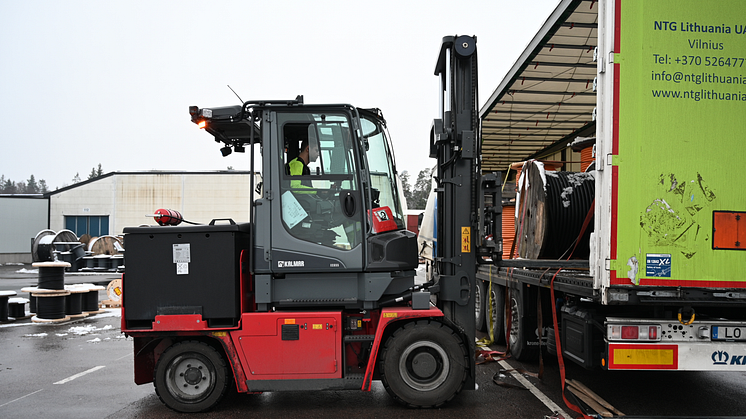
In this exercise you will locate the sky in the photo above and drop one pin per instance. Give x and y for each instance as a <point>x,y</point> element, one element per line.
<point>84,83</point>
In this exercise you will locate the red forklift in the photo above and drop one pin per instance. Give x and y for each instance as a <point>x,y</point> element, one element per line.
<point>317,290</point>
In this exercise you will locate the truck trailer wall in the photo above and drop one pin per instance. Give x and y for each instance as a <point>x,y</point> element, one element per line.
<point>671,126</point>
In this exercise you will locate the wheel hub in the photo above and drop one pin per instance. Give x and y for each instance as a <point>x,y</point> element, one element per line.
<point>424,365</point>
<point>192,376</point>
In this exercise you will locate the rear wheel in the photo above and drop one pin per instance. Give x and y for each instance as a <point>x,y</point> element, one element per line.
<point>481,300</point>
<point>191,377</point>
<point>497,312</point>
<point>521,329</point>
<point>423,364</point>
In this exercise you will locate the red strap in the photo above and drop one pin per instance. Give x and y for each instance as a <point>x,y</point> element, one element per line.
<point>558,341</point>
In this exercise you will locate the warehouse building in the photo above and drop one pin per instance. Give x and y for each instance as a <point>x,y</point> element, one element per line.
<point>109,203</point>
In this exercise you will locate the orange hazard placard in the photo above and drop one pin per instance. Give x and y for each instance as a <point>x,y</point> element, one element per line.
<point>465,239</point>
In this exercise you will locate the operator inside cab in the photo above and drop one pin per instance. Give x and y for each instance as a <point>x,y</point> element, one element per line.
<point>299,165</point>
<point>308,211</point>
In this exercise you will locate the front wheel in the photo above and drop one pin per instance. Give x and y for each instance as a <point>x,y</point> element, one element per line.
<point>191,377</point>
<point>423,364</point>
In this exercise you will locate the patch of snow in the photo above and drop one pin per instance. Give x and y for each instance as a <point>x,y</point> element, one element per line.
<point>36,335</point>
<point>565,195</point>
<point>61,334</point>
<point>96,340</point>
<point>27,271</point>
<point>82,330</point>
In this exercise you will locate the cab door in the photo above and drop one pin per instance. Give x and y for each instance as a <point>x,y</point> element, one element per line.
<point>317,215</point>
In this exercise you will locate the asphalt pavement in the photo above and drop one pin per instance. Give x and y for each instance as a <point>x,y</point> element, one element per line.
<point>84,369</point>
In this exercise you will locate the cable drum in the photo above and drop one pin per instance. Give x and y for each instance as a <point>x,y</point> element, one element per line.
<point>51,275</point>
<point>551,214</point>
<point>51,307</point>
<point>74,304</point>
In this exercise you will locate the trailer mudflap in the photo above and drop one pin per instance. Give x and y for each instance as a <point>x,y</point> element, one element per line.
<point>391,315</point>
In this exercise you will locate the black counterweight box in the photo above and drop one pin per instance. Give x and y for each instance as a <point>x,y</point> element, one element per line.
<point>183,270</point>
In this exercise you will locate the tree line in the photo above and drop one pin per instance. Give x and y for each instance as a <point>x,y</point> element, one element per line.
<point>33,186</point>
<point>416,195</point>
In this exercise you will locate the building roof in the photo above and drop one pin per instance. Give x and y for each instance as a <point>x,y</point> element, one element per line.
<point>147,173</point>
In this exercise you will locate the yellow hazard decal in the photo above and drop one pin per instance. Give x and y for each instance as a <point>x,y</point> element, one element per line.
<point>317,327</point>
<point>390,315</point>
<point>465,239</point>
<point>219,334</point>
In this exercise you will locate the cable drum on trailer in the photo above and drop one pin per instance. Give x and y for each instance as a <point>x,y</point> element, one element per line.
<point>551,214</point>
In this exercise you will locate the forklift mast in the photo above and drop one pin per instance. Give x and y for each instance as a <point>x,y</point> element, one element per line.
<point>468,203</point>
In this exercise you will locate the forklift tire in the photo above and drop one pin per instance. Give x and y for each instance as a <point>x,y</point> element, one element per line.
<point>520,328</point>
<point>481,301</point>
<point>423,364</point>
<point>191,377</point>
<point>497,311</point>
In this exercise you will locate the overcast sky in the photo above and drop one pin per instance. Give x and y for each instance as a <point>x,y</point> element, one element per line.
<point>110,82</point>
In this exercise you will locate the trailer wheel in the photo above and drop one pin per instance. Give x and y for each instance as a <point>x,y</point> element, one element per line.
<point>497,312</point>
<point>520,327</point>
<point>191,377</point>
<point>423,364</point>
<point>481,301</point>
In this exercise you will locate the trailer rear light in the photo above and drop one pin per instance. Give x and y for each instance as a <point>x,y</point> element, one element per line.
<point>202,123</point>
<point>634,332</point>
<point>630,332</point>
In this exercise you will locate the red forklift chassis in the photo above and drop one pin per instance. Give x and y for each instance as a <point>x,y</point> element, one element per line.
<point>193,365</point>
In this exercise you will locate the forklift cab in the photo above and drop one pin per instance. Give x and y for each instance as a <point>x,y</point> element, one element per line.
<point>340,221</point>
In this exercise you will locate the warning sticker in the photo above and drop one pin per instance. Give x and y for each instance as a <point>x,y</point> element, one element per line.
<point>182,253</point>
<point>658,265</point>
<point>465,239</point>
<point>182,269</point>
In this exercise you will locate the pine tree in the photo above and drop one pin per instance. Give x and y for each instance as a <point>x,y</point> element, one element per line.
<point>31,185</point>
<point>76,178</point>
<point>43,186</point>
<point>9,187</point>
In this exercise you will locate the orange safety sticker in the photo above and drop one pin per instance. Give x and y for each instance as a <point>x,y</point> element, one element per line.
<point>289,321</point>
<point>465,239</point>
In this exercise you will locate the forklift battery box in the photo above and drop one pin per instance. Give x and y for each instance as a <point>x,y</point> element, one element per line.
<point>183,270</point>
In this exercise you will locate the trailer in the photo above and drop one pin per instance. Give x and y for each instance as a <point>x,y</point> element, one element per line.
<point>623,247</point>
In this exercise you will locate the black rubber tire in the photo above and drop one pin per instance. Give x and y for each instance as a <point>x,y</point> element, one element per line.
<point>497,311</point>
<point>191,377</point>
<point>481,301</point>
<point>551,341</point>
<point>520,328</point>
<point>423,364</point>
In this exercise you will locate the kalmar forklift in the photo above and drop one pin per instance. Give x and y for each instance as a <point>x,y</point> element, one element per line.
<point>317,290</point>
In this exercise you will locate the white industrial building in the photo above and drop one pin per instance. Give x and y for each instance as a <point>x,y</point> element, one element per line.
<point>109,203</point>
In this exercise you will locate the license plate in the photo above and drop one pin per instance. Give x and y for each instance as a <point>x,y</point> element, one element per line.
<point>728,333</point>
